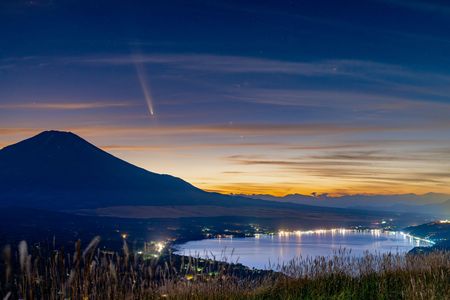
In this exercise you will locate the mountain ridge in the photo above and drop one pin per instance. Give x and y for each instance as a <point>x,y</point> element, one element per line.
<point>55,164</point>
<point>433,203</point>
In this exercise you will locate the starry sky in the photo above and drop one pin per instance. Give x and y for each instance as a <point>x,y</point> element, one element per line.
<point>272,97</point>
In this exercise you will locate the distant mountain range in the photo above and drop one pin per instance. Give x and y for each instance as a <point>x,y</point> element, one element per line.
<point>432,203</point>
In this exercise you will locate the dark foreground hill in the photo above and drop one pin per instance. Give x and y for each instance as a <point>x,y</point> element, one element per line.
<point>438,232</point>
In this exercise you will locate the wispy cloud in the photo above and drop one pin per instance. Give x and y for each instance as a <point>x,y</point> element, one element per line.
<point>431,6</point>
<point>245,64</point>
<point>367,83</point>
<point>243,130</point>
<point>17,130</point>
<point>64,106</point>
<point>362,69</point>
<point>255,129</point>
<point>190,146</point>
<point>381,84</point>
<point>348,148</point>
<point>206,62</point>
<point>334,99</point>
<point>369,166</point>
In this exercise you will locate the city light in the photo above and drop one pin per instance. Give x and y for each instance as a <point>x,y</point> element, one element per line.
<point>159,246</point>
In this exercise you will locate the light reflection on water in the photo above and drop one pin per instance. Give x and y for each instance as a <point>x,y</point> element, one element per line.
<point>264,250</point>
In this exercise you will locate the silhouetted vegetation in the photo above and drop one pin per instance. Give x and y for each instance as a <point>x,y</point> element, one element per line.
<point>90,273</point>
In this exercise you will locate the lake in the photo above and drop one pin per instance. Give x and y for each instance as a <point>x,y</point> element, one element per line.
<point>258,251</point>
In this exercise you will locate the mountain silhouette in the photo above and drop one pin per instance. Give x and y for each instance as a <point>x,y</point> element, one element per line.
<point>57,169</point>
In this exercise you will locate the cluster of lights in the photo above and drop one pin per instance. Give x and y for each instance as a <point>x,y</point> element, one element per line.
<point>153,249</point>
<point>417,238</point>
<point>444,221</point>
<point>224,236</point>
<point>159,246</point>
<point>343,231</point>
<point>317,231</point>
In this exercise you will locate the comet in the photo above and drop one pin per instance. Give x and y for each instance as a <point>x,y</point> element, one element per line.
<point>143,81</point>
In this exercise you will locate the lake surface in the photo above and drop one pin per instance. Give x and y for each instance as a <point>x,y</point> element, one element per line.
<point>262,250</point>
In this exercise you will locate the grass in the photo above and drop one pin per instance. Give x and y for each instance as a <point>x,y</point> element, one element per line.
<point>89,273</point>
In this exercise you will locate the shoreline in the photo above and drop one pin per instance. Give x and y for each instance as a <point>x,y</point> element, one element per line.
<point>176,247</point>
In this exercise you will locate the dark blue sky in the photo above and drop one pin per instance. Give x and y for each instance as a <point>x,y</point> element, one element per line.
<point>331,96</point>
<point>415,33</point>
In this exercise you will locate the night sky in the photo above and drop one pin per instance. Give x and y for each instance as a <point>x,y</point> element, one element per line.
<point>276,97</point>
